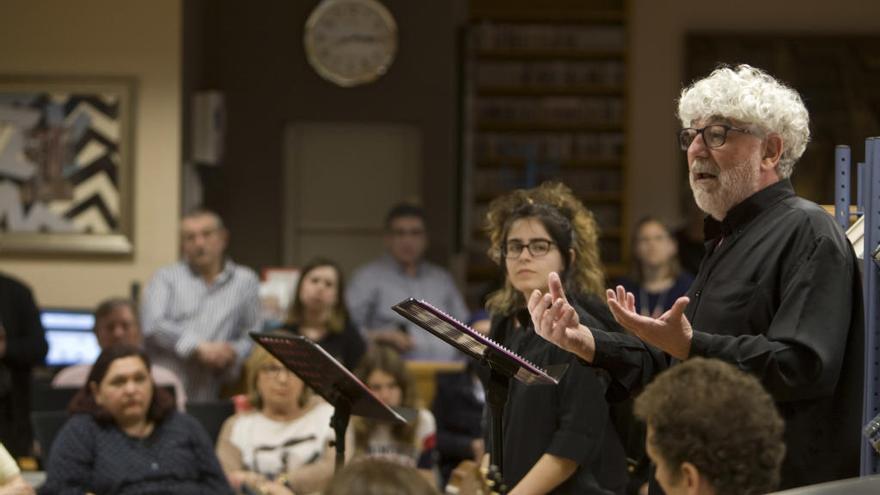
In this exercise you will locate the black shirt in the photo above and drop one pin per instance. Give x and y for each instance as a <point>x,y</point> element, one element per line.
<point>569,420</point>
<point>347,346</point>
<point>778,295</point>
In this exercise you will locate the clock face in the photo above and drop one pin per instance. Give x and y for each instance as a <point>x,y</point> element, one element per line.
<point>350,42</point>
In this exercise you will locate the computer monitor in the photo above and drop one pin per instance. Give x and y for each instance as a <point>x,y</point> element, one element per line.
<point>70,336</point>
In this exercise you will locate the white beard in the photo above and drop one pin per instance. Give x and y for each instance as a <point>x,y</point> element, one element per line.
<point>731,186</point>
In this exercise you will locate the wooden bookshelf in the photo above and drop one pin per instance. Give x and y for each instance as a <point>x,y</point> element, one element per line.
<point>545,98</point>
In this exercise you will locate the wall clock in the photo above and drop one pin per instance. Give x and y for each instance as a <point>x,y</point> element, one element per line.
<point>350,42</point>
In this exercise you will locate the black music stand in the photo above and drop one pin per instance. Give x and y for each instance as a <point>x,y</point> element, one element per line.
<point>503,364</point>
<point>329,379</point>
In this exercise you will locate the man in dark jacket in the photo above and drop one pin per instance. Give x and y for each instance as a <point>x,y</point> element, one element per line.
<point>22,345</point>
<point>777,294</point>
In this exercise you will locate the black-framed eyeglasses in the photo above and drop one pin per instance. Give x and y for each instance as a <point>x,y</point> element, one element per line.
<point>714,135</point>
<point>536,247</point>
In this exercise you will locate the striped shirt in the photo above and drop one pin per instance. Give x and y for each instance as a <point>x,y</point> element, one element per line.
<point>180,311</point>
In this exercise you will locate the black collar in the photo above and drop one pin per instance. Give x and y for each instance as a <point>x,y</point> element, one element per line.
<point>748,210</point>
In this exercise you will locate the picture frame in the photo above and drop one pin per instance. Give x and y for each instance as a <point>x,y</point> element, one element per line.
<point>66,165</point>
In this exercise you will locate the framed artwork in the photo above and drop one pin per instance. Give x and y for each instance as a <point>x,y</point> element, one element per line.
<point>66,165</point>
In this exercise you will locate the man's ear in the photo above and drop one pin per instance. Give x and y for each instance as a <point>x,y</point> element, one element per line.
<point>572,255</point>
<point>773,146</point>
<point>691,479</point>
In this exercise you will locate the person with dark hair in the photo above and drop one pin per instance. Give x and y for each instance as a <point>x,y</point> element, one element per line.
<point>379,477</point>
<point>555,439</point>
<point>125,436</point>
<point>778,293</point>
<point>411,444</point>
<point>22,346</point>
<point>656,279</point>
<point>116,322</point>
<point>712,430</point>
<point>197,313</point>
<point>400,274</point>
<point>318,312</point>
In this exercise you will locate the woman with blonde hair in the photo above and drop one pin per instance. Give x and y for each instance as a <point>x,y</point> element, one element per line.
<point>557,439</point>
<point>283,445</point>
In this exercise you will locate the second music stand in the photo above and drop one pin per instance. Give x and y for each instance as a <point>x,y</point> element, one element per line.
<point>329,379</point>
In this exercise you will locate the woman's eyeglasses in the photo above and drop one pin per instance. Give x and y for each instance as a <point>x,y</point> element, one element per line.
<point>536,247</point>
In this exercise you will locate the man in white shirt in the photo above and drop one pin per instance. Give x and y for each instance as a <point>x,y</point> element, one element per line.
<point>116,322</point>
<point>197,312</point>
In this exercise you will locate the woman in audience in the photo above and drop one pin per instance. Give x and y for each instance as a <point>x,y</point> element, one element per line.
<point>125,436</point>
<point>556,439</point>
<point>657,279</point>
<point>282,446</point>
<point>411,444</point>
<point>318,312</point>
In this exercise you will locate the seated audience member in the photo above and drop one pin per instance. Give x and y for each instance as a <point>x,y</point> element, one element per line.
<point>458,408</point>
<point>197,313</point>
<point>412,444</point>
<point>11,482</point>
<point>712,430</point>
<point>116,322</point>
<point>126,437</point>
<point>657,279</point>
<point>282,446</point>
<point>318,312</point>
<point>400,274</point>
<point>379,477</point>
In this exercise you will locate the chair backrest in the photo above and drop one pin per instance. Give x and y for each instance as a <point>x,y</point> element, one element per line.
<point>46,426</point>
<point>45,397</point>
<point>211,414</point>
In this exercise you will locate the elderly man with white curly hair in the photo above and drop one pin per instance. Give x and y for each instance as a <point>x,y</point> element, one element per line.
<point>778,292</point>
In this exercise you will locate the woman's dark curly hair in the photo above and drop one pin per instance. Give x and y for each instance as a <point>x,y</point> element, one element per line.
<point>718,418</point>
<point>568,222</point>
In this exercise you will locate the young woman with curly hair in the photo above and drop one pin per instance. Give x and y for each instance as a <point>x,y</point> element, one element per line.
<point>556,439</point>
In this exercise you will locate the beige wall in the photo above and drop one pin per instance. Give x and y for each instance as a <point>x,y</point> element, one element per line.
<point>657,31</point>
<point>108,38</point>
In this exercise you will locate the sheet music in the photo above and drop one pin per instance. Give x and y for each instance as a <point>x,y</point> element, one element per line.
<point>473,343</point>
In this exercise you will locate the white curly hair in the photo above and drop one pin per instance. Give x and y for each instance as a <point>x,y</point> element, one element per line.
<point>752,97</point>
